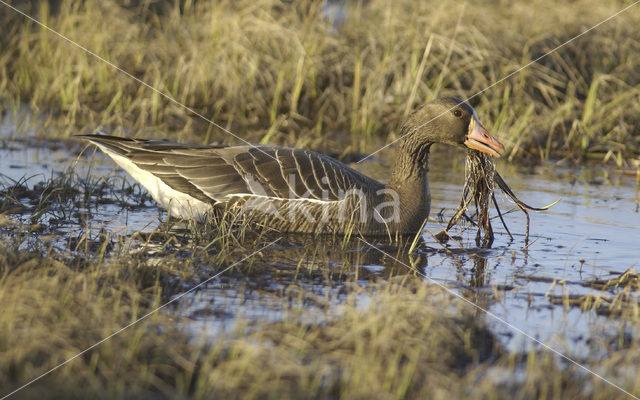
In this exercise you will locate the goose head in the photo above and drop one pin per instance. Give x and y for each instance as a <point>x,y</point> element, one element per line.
<point>451,121</point>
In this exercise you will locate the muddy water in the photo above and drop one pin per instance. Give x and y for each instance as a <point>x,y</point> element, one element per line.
<point>592,233</point>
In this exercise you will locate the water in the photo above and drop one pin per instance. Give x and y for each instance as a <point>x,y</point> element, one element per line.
<point>592,233</point>
<point>26,159</point>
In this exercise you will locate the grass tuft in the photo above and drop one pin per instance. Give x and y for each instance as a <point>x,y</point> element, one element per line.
<point>285,74</point>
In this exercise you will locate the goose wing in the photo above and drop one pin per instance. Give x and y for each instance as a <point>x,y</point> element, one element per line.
<point>219,173</point>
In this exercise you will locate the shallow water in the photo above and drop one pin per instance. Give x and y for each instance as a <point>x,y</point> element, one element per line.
<point>592,233</point>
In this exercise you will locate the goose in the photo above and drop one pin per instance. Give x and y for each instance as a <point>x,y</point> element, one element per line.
<point>295,190</point>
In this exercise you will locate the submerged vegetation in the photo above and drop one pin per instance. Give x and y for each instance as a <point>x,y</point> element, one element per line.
<point>316,75</point>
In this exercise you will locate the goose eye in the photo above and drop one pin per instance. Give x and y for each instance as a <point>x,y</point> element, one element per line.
<point>457,113</point>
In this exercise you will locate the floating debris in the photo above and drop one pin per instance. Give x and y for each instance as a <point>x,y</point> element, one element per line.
<point>622,304</point>
<point>628,279</point>
<point>622,301</point>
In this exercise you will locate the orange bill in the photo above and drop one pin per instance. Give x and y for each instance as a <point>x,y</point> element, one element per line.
<point>480,139</point>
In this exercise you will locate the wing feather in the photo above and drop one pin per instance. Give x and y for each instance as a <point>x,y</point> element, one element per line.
<point>217,174</point>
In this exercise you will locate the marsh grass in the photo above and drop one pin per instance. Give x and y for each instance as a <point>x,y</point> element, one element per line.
<point>617,296</point>
<point>57,310</point>
<point>383,334</point>
<point>282,74</point>
<point>285,74</point>
<point>410,340</point>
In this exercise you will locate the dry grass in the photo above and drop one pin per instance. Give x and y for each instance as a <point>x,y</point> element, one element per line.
<point>395,337</point>
<point>408,340</point>
<point>279,73</point>
<point>616,296</point>
<point>283,74</point>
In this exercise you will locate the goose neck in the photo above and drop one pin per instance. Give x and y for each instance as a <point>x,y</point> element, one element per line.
<point>411,162</point>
